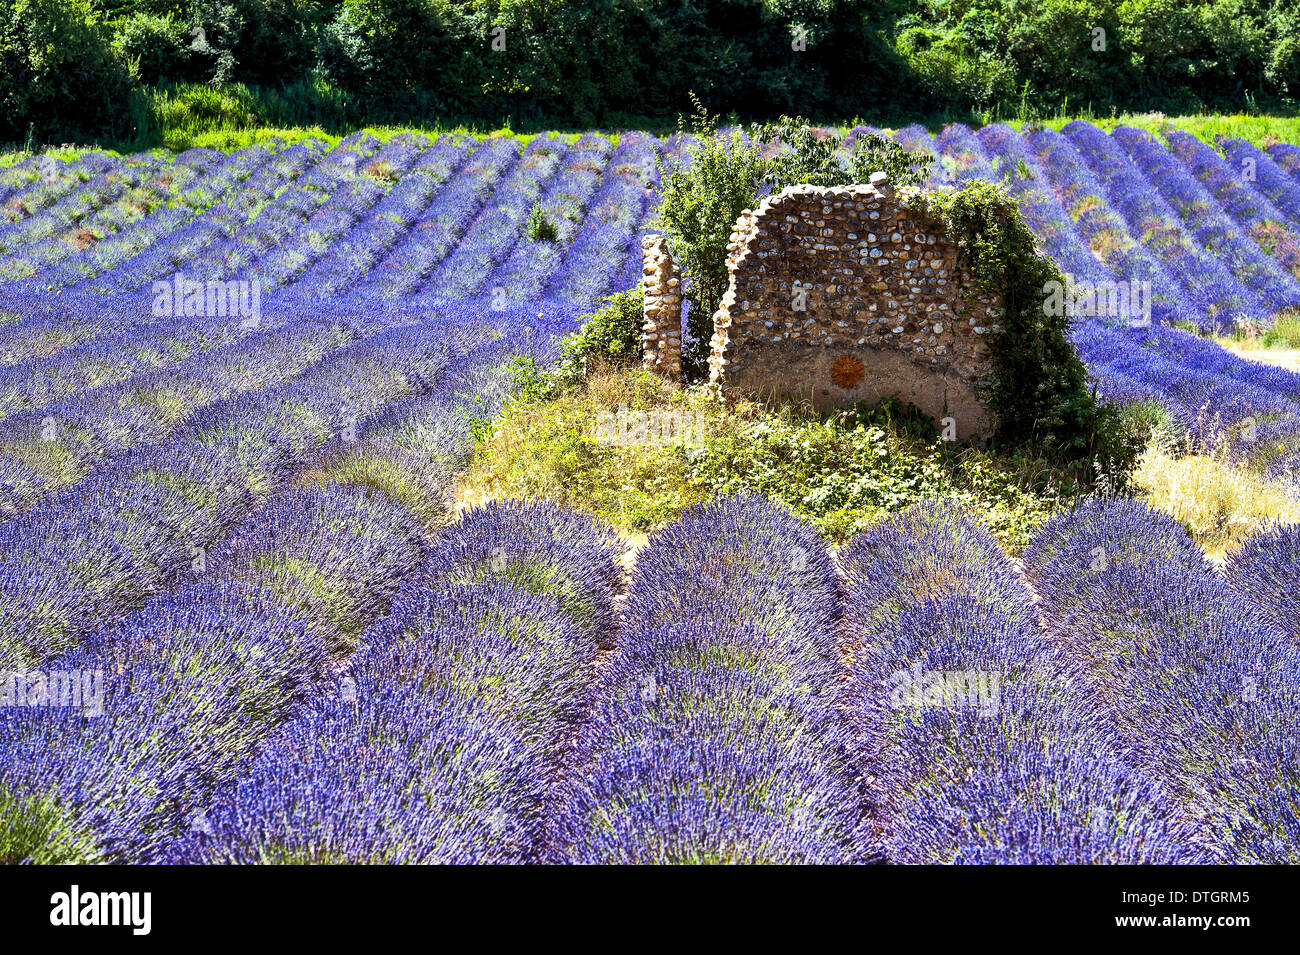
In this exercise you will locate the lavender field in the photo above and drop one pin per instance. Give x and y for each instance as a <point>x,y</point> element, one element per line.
<point>236,391</point>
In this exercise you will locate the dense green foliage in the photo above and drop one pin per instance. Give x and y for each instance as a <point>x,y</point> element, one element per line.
<point>578,63</point>
<point>819,157</point>
<point>1041,384</point>
<point>58,71</point>
<point>1175,55</point>
<point>706,189</point>
<point>152,46</point>
<point>610,337</point>
<point>539,228</point>
<point>845,472</point>
<point>1040,393</point>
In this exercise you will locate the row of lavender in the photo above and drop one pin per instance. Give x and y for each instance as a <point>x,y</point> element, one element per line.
<point>140,490</point>
<point>1202,228</point>
<point>230,569</point>
<point>711,735</point>
<point>956,710</point>
<point>957,718</point>
<point>131,441</point>
<point>210,509</point>
<point>388,218</point>
<point>83,367</point>
<point>1195,678</point>
<point>1214,235</point>
<point>444,738</point>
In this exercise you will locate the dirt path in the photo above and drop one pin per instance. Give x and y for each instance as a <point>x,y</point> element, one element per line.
<point>1288,358</point>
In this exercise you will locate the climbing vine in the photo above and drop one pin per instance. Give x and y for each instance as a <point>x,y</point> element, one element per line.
<point>1040,393</point>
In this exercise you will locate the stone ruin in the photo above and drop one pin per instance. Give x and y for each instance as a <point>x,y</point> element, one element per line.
<point>839,295</point>
<point>661,332</point>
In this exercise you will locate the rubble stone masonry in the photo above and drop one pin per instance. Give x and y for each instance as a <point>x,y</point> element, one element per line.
<point>845,294</point>
<point>661,330</point>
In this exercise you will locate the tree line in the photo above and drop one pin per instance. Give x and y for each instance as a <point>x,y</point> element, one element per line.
<point>80,69</point>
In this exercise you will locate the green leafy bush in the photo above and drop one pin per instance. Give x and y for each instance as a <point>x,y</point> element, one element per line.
<point>702,196</point>
<point>276,40</point>
<point>846,472</point>
<point>59,74</point>
<point>387,50</point>
<point>820,157</point>
<point>154,48</point>
<point>722,175</point>
<point>539,228</point>
<point>1040,393</point>
<point>610,336</point>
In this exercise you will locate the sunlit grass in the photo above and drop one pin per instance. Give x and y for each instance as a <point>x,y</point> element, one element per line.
<point>1219,505</point>
<point>1259,130</point>
<point>1277,344</point>
<point>842,474</point>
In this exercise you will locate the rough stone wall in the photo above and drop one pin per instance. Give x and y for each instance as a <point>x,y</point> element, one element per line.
<point>661,331</point>
<point>846,294</point>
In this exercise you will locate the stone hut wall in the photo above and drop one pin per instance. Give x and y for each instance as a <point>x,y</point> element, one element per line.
<point>661,329</point>
<point>845,294</point>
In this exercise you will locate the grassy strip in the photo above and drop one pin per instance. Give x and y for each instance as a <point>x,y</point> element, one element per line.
<point>1219,505</point>
<point>1272,344</point>
<point>1259,130</point>
<point>843,472</point>
<point>234,116</point>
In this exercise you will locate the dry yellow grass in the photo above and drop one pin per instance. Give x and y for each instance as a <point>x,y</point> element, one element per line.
<point>1220,505</point>
<point>1288,358</point>
<point>466,498</point>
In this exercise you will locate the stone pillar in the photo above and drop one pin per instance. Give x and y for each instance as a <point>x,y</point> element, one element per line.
<point>661,332</point>
<point>736,247</point>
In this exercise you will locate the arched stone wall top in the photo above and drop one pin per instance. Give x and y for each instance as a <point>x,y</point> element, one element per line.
<point>843,294</point>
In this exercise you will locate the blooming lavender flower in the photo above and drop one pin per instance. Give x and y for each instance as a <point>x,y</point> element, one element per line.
<point>711,735</point>
<point>489,239</point>
<point>1212,226</point>
<point>380,773</point>
<point>435,234</point>
<point>1263,571</point>
<point>1197,686</point>
<point>972,743</point>
<point>218,513</point>
<point>186,686</point>
<point>1258,217</point>
<point>739,558</point>
<point>538,547</point>
<point>1215,292</point>
<point>1017,169</point>
<point>1101,227</point>
<point>1258,168</point>
<point>696,752</point>
<point>247,445</point>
